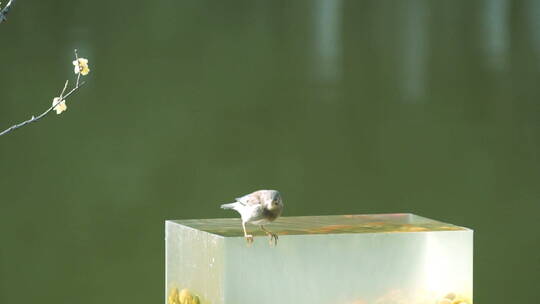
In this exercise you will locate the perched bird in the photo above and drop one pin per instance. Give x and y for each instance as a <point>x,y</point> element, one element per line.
<point>259,208</point>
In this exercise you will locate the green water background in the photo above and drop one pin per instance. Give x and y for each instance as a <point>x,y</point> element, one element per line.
<point>346,107</point>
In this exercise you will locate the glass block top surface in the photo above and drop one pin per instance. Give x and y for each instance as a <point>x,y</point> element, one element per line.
<point>332,224</point>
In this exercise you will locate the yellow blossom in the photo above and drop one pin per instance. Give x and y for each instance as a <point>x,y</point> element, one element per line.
<point>60,106</point>
<point>81,65</point>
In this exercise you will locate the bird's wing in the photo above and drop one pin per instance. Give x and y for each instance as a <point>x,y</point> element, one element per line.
<point>250,199</point>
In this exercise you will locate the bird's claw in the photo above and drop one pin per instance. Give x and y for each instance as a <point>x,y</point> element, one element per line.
<point>273,239</point>
<point>249,239</point>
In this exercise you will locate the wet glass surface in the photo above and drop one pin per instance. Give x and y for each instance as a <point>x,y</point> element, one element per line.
<point>336,224</point>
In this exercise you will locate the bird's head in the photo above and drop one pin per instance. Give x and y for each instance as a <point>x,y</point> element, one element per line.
<point>273,200</point>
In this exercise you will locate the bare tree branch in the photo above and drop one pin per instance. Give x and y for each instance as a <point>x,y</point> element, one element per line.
<point>5,11</point>
<point>36,118</point>
<point>62,98</point>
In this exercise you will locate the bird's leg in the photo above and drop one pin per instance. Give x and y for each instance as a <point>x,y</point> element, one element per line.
<point>273,236</point>
<point>249,237</point>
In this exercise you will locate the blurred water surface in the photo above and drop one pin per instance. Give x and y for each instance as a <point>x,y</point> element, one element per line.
<point>347,107</point>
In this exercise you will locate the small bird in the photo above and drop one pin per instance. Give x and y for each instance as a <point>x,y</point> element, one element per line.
<point>259,208</point>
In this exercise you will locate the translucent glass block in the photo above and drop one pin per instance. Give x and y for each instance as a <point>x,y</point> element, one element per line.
<point>350,259</point>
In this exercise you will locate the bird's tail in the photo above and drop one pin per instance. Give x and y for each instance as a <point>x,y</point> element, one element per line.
<point>228,206</point>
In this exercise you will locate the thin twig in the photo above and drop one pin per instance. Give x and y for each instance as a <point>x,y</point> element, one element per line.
<point>34,119</point>
<point>59,100</point>
<point>64,90</point>
<point>5,11</point>
<point>79,65</point>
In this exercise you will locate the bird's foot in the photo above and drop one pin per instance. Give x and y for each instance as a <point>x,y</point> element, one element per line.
<point>249,239</point>
<point>273,239</point>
